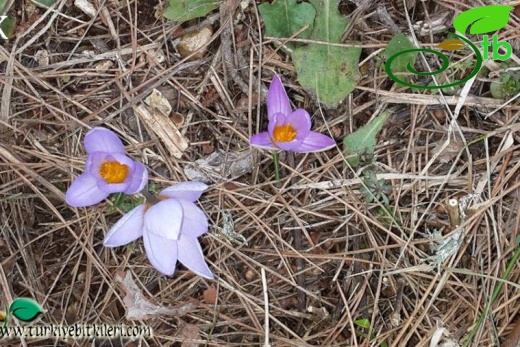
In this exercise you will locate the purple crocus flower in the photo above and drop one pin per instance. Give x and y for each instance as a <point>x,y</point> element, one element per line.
<point>107,170</point>
<point>169,228</point>
<point>288,130</point>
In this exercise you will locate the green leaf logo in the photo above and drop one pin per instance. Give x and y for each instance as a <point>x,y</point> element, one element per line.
<point>483,19</point>
<point>25,309</point>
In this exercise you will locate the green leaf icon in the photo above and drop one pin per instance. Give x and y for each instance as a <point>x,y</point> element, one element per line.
<point>25,309</point>
<point>483,19</point>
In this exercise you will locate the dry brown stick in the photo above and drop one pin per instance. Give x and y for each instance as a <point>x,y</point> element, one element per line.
<point>227,8</point>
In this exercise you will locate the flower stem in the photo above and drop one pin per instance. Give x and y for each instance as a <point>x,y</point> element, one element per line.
<point>276,166</point>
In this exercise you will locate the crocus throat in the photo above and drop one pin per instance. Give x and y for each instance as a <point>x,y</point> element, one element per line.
<point>113,171</point>
<point>284,133</point>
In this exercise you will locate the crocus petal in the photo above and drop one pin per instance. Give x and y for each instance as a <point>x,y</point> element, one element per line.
<point>288,146</point>
<point>127,229</point>
<point>277,120</point>
<point>190,255</point>
<point>164,219</point>
<point>137,179</point>
<point>277,99</point>
<point>262,140</point>
<point>112,187</point>
<point>194,221</point>
<point>301,122</point>
<point>84,191</point>
<point>103,140</point>
<point>162,253</point>
<point>315,142</point>
<point>190,191</point>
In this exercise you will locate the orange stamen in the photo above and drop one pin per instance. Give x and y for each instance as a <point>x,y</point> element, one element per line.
<point>113,171</point>
<point>284,133</point>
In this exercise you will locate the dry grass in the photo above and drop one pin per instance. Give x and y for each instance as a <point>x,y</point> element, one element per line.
<point>354,264</point>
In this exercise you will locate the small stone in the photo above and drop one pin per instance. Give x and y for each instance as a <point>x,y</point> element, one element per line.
<point>196,41</point>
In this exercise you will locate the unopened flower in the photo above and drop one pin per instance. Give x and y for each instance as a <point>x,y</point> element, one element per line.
<point>169,228</point>
<point>107,170</point>
<point>288,130</point>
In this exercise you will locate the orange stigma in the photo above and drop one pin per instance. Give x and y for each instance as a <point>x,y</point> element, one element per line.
<point>113,171</point>
<point>284,133</point>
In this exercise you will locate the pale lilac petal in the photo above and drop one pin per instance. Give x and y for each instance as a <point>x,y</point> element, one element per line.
<point>315,142</point>
<point>137,179</point>
<point>301,122</point>
<point>288,146</point>
<point>262,140</point>
<point>190,255</point>
<point>94,161</point>
<point>162,253</point>
<point>127,229</point>
<point>164,219</point>
<point>103,140</point>
<point>277,120</point>
<point>110,188</point>
<point>277,99</point>
<point>194,221</point>
<point>190,191</point>
<point>84,191</point>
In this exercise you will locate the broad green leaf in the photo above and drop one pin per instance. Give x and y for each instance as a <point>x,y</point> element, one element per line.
<point>8,25</point>
<point>25,309</point>
<point>482,19</point>
<point>363,323</point>
<point>397,44</point>
<point>184,10</point>
<point>2,5</point>
<point>284,18</point>
<point>327,71</point>
<point>363,140</point>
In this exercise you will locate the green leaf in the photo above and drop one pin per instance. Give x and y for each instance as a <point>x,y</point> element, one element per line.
<point>284,18</point>
<point>363,140</point>
<point>44,3</point>
<point>185,10</point>
<point>363,323</point>
<point>483,19</point>
<point>2,5</point>
<point>8,25</point>
<point>397,44</point>
<point>327,71</point>
<point>25,309</point>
